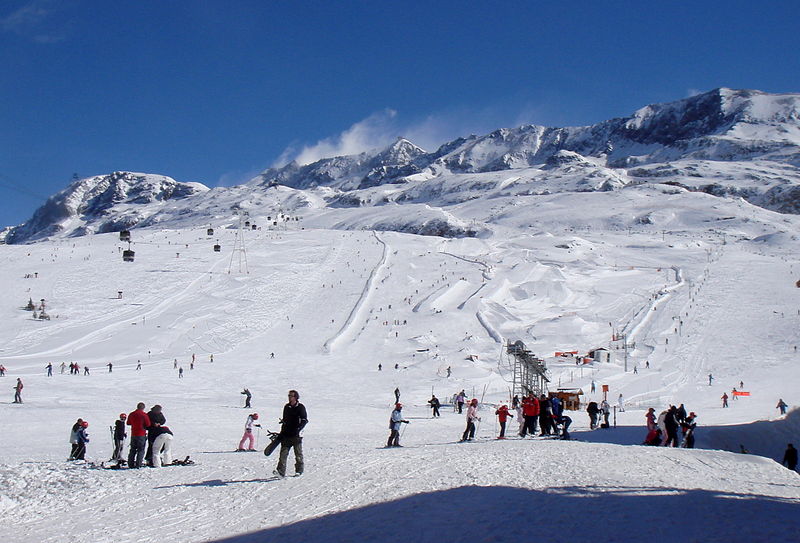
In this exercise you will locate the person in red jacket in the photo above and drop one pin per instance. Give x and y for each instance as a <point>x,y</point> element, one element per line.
<point>530,410</point>
<point>502,415</point>
<point>138,421</point>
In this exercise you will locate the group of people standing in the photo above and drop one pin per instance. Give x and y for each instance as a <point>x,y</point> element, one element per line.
<point>663,431</point>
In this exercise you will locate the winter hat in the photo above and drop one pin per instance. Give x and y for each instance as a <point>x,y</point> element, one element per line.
<point>398,405</point>
<point>692,414</point>
<point>85,424</point>
<point>123,416</point>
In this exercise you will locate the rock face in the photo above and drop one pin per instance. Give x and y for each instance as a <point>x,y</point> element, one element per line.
<point>726,143</point>
<point>102,204</point>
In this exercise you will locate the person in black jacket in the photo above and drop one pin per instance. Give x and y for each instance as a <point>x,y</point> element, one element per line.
<point>119,438</point>
<point>157,419</point>
<point>292,423</point>
<point>671,423</point>
<point>790,457</point>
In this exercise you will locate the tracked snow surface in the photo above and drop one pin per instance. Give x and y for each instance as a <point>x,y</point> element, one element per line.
<point>703,286</point>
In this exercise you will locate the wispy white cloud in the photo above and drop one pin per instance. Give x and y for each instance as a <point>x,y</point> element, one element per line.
<point>32,20</point>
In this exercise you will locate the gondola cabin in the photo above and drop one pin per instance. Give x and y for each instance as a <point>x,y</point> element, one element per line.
<point>125,235</point>
<point>127,255</point>
<point>210,232</point>
<point>253,226</point>
<point>217,248</point>
<point>247,224</point>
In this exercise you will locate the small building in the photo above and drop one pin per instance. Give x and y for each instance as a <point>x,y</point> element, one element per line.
<point>570,398</point>
<point>600,355</point>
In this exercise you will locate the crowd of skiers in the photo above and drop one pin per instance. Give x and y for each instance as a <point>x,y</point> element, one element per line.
<point>663,430</point>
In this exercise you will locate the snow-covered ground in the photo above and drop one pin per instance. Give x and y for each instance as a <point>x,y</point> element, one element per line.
<point>331,305</point>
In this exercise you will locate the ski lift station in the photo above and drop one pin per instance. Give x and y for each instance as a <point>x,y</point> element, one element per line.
<point>530,372</point>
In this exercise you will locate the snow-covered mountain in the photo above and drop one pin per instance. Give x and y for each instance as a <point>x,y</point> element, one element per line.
<point>727,143</point>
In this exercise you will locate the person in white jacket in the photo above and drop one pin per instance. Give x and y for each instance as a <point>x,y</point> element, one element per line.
<point>472,416</point>
<point>248,433</point>
<point>394,425</point>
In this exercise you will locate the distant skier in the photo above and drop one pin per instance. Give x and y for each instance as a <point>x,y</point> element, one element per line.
<point>380,367</point>
<point>472,416</point>
<point>434,403</point>
<point>119,438</point>
<point>63,367</point>
<point>18,391</point>
<point>782,406</point>
<point>247,397</point>
<point>49,368</point>
<point>449,371</point>
<point>460,398</point>
<point>86,370</point>
<point>790,457</point>
<point>710,378</point>
<point>138,365</point>
<point>110,367</point>
<point>621,403</point>
<point>248,433</point>
<point>502,415</point>
<point>395,421</point>
<point>180,372</point>
<point>396,395</point>
<point>724,399</point>
<point>593,386</point>
<point>293,421</point>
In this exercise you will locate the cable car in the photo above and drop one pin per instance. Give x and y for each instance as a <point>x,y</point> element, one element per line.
<point>254,226</point>
<point>127,255</point>
<point>210,232</point>
<point>217,248</point>
<point>125,235</point>
<point>247,224</point>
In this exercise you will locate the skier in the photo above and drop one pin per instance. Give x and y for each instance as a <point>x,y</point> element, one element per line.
<point>138,365</point>
<point>86,370</point>
<point>593,386</point>
<point>593,410</point>
<point>448,371</point>
<point>724,399</point>
<point>434,403</point>
<point>606,409</point>
<point>73,438</point>
<point>530,410</point>
<point>621,403</point>
<point>710,378</point>
<point>247,397</point>
<point>472,416</point>
<point>460,399</point>
<point>119,439</point>
<point>49,368</point>
<point>248,432</point>
<point>394,425</point>
<point>63,366</point>
<point>782,406</point>
<point>110,367</point>
<point>18,391</point>
<point>380,367</point>
<point>502,415</point>
<point>688,426</point>
<point>293,421</point>
<point>790,457</point>
<point>83,438</point>
<point>138,421</point>
<point>180,372</point>
<point>162,446</point>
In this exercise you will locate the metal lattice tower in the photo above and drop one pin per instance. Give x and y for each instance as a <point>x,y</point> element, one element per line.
<point>238,245</point>
<point>530,372</point>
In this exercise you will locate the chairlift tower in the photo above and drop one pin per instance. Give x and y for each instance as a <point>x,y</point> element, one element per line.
<point>530,372</point>
<point>238,245</point>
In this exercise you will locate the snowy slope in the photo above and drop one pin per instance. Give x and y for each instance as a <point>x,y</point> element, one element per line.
<point>699,284</point>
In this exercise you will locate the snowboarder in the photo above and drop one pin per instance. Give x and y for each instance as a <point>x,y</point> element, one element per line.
<point>293,421</point>
<point>724,399</point>
<point>18,391</point>
<point>394,426</point>
<point>248,432</point>
<point>502,415</point>
<point>73,438</point>
<point>434,403</point>
<point>247,397</point>
<point>162,446</point>
<point>782,406</point>
<point>472,416</point>
<point>790,457</point>
<point>119,438</point>
<point>138,421</point>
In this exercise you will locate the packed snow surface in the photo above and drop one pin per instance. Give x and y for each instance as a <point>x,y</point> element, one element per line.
<point>317,309</point>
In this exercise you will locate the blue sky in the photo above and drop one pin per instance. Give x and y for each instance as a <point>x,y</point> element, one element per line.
<point>215,91</point>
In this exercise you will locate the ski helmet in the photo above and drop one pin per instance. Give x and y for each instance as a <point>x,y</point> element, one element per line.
<point>255,416</point>
<point>85,424</point>
<point>398,405</point>
<point>123,416</point>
